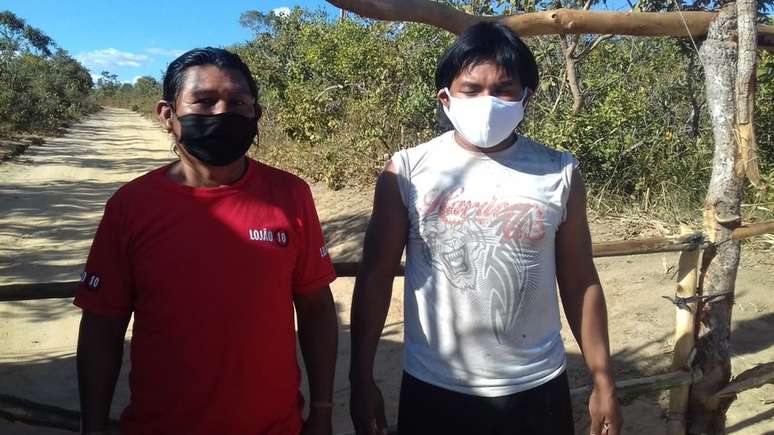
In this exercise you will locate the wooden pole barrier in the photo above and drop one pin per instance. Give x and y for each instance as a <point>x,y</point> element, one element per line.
<point>686,242</point>
<point>687,277</point>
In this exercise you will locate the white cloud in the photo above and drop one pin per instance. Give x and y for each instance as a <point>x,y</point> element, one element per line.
<point>164,51</point>
<point>110,58</point>
<point>281,12</point>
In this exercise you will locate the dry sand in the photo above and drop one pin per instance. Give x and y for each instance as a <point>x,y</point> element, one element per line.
<point>51,199</point>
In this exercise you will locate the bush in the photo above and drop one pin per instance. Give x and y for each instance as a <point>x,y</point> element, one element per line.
<point>43,87</point>
<point>342,95</point>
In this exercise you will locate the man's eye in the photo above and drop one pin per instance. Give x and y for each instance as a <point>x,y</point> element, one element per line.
<point>205,101</point>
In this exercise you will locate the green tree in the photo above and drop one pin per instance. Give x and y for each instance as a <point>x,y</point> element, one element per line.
<point>43,87</point>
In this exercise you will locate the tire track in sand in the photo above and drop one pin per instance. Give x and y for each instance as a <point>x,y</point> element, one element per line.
<point>52,197</point>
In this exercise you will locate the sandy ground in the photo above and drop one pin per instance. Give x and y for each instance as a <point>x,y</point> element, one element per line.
<point>51,199</point>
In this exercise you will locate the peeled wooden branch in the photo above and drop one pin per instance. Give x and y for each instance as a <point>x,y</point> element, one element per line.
<point>647,384</point>
<point>689,242</point>
<point>750,230</point>
<point>554,22</point>
<point>685,327</point>
<point>754,378</point>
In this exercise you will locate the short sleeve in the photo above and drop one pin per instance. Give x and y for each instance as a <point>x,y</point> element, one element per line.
<point>569,164</point>
<point>313,269</point>
<point>106,283</point>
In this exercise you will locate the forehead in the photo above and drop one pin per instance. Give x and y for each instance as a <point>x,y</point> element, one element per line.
<point>485,72</point>
<point>213,78</point>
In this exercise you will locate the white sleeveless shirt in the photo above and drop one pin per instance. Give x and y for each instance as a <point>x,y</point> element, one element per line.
<point>481,309</point>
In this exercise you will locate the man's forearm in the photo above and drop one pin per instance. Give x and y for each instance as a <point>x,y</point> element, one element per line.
<point>318,337</point>
<point>99,357</point>
<point>367,322</point>
<point>593,339</point>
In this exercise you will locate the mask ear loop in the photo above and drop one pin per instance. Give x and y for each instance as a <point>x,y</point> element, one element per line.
<point>173,148</point>
<point>524,94</point>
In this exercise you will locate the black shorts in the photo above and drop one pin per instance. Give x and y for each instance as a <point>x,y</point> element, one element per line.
<point>426,409</point>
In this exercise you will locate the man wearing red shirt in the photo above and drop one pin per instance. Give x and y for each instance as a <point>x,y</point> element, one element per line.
<point>211,253</point>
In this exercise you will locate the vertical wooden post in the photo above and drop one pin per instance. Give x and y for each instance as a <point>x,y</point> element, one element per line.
<point>687,277</point>
<point>706,413</point>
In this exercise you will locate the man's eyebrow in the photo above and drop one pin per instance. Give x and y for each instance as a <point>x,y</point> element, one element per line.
<point>507,82</point>
<point>201,91</point>
<point>206,91</point>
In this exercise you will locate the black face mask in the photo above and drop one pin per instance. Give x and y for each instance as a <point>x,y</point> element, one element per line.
<point>217,140</point>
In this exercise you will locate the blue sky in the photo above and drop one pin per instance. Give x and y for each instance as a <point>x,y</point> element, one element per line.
<point>140,37</point>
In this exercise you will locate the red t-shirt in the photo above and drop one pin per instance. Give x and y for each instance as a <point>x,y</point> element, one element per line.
<point>210,275</point>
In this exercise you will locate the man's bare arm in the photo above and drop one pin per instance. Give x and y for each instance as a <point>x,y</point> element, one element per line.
<point>584,306</point>
<point>384,242</point>
<point>99,356</point>
<point>318,336</point>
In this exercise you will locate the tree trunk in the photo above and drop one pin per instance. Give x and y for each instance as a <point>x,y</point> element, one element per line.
<point>572,73</point>
<point>745,89</point>
<point>706,413</point>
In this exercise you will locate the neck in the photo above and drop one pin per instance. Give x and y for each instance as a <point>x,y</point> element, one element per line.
<point>505,144</point>
<point>193,173</point>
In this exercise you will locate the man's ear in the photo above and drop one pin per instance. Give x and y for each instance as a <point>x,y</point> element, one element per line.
<point>164,114</point>
<point>443,97</point>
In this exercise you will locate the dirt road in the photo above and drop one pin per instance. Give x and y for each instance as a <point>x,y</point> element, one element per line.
<point>51,199</point>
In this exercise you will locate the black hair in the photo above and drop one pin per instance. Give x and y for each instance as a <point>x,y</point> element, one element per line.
<point>224,59</point>
<point>488,41</point>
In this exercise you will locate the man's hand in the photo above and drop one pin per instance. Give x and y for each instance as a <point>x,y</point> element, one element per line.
<point>605,412</point>
<point>318,422</point>
<point>366,406</point>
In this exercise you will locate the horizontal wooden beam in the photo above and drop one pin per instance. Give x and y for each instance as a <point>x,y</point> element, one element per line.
<point>16,409</point>
<point>48,290</point>
<point>755,377</point>
<point>633,387</point>
<point>37,414</point>
<point>689,242</point>
<point>551,22</point>
<point>751,230</point>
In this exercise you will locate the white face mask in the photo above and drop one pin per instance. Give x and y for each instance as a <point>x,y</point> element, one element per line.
<point>484,121</point>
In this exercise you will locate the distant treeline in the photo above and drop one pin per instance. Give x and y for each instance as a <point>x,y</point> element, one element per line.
<point>42,88</point>
<point>341,95</point>
<point>140,96</point>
